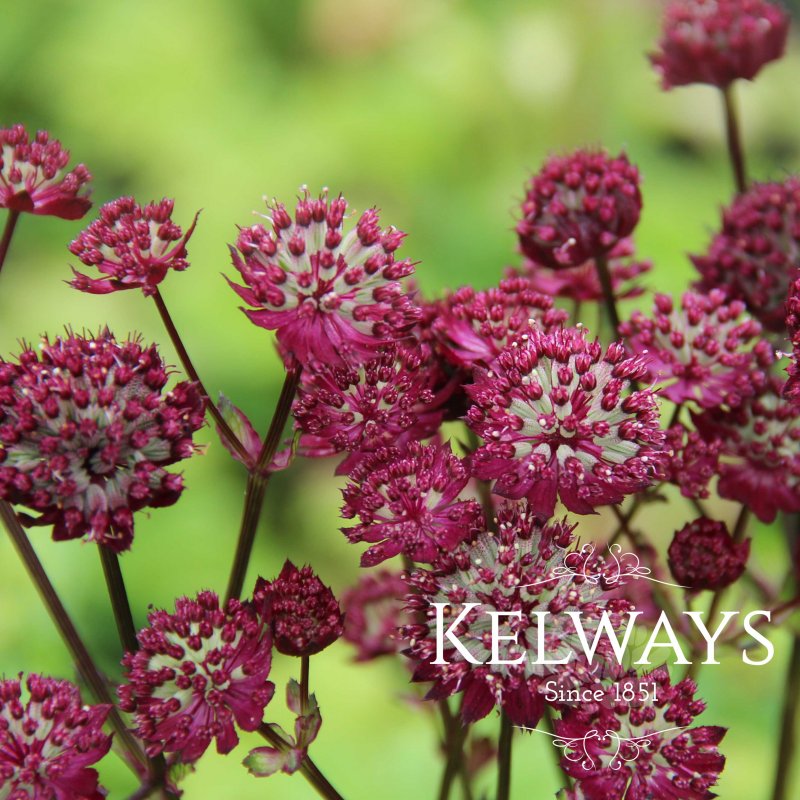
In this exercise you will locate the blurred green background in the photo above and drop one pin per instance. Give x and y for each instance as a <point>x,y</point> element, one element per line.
<point>433,110</point>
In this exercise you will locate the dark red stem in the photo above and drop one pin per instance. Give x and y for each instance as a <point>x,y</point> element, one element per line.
<point>8,232</point>
<point>735,150</point>
<point>788,737</point>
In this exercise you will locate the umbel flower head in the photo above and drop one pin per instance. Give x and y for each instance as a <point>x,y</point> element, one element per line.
<point>32,177</point>
<point>525,568</point>
<point>86,431</point>
<point>556,422</point>
<point>719,41</point>
<point>703,555</point>
<point>473,327</point>
<point>703,352</point>
<point>304,614</point>
<point>49,740</point>
<point>374,613</point>
<point>642,749</point>
<point>579,207</point>
<point>331,296</point>
<point>582,283</point>
<point>132,246</point>
<point>759,457</point>
<point>409,501</point>
<point>692,461</point>
<point>756,254</point>
<point>198,673</point>
<point>394,398</point>
<point>792,388</point>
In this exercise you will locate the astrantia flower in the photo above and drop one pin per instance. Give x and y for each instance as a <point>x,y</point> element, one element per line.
<point>692,461</point>
<point>642,749</point>
<point>702,352</point>
<point>388,402</point>
<point>409,502</point>
<point>556,422</point>
<point>474,326</point>
<point>719,41</point>
<point>756,255</point>
<point>303,611</point>
<point>703,555</point>
<point>331,296</point>
<point>760,452</point>
<point>792,388</point>
<point>48,741</point>
<point>579,207</point>
<point>582,283</point>
<point>521,568</point>
<point>86,432</point>
<point>133,246</point>
<point>198,673</point>
<point>374,613</point>
<point>32,176</point>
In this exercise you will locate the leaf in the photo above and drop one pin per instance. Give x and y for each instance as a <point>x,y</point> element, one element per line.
<point>243,430</point>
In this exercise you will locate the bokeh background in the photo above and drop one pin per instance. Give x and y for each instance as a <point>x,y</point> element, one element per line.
<point>433,110</point>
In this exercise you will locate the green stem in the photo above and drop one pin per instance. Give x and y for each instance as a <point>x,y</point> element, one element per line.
<point>119,599</point>
<point>504,758</point>
<point>257,482</point>
<point>8,232</point>
<point>603,272</point>
<point>733,133</point>
<point>786,748</point>
<point>455,736</point>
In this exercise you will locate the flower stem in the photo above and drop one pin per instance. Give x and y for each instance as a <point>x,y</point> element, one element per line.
<point>732,130</point>
<point>740,529</point>
<point>550,727</point>
<point>83,661</point>
<point>305,666</point>
<point>610,300</point>
<point>786,749</point>
<point>191,372</point>
<point>257,482</point>
<point>308,769</point>
<point>8,232</point>
<point>504,758</point>
<point>455,735</point>
<point>119,599</point>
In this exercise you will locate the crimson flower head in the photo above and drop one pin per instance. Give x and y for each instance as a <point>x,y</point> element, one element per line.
<point>410,502</point>
<point>197,674</point>
<point>719,41</point>
<point>703,352</point>
<point>792,389</point>
<point>49,740</point>
<point>303,611</point>
<point>759,453</point>
<point>374,614</point>
<point>524,568</point>
<point>755,255</point>
<point>642,749</point>
<point>557,422</point>
<point>132,246</point>
<point>331,296</point>
<point>394,398</point>
<point>579,207</point>
<point>692,462</point>
<point>473,326</point>
<point>582,283</point>
<point>703,555</point>
<point>32,176</point>
<point>86,431</point>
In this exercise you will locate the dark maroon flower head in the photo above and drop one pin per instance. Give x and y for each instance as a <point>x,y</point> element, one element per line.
<point>409,501</point>
<point>132,246</point>
<point>394,398</point>
<point>473,327</point>
<point>642,749</point>
<point>32,176</point>
<point>198,673</point>
<point>703,352</point>
<point>303,611</point>
<point>374,613</point>
<point>792,388</point>
<point>760,452</point>
<point>756,255</point>
<point>526,567</point>
<point>331,296</point>
<point>692,461</point>
<point>703,555</point>
<point>557,422</point>
<point>579,207</point>
<point>49,740</point>
<point>86,431</point>
<point>718,41</point>
<point>582,283</point>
